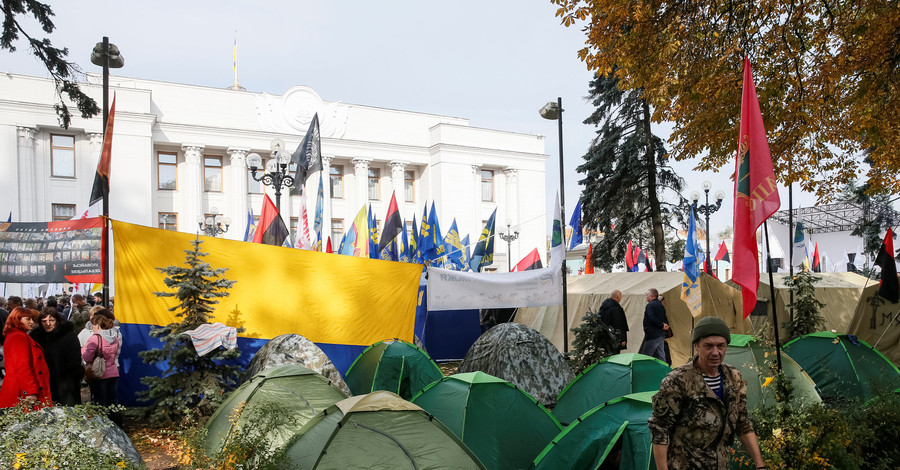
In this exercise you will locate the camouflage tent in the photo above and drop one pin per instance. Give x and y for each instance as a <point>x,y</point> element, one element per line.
<point>294,349</point>
<point>614,435</point>
<point>611,378</point>
<point>501,424</point>
<point>392,365</point>
<point>753,357</point>
<point>378,430</point>
<point>294,391</point>
<point>522,357</point>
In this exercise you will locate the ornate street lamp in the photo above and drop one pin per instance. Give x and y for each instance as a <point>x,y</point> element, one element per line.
<point>707,210</point>
<point>214,224</point>
<point>553,111</point>
<point>512,233</point>
<point>277,178</point>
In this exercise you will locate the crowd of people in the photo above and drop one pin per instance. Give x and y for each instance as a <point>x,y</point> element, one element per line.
<point>47,345</point>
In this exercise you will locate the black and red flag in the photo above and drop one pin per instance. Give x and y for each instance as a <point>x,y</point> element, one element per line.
<point>890,285</point>
<point>629,258</point>
<point>392,224</point>
<point>529,262</point>
<point>722,254</point>
<point>100,189</point>
<point>816,264</point>
<point>271,229</point>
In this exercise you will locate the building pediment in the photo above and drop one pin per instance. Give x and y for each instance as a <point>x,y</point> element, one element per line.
<point>292,112</point>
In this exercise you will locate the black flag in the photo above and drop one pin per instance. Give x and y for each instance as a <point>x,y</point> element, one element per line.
<point>890,285</point>
<point>308,156</point>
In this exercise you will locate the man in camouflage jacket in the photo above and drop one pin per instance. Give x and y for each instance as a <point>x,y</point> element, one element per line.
<point>693,425</point>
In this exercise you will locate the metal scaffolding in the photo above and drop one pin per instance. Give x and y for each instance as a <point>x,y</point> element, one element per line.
<point>838,217</point>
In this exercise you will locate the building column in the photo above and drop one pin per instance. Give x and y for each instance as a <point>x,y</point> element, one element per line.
<point>476,203</point>
<point>193,187</point>
<point>361,173</point>
<point>237,205</point>
<point>326,202</point>
<point>26,178</point>
<point>398,181</point>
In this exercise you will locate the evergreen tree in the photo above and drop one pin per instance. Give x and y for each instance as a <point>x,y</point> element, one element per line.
<point>877,216</point>
<point>806,306</point>
<point>191,385</point>
<point>594,340</point>
<point>626,175</point>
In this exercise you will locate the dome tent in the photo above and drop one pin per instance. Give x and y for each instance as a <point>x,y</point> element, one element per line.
<point>392,365</point>
<point>751,355</point>
<point>294,349</point>
<point>296,390</point>
<point>378,430</point>
<point>611,378</point>
<point>522,357</point>
<point>615,431</point>
<point>502,425</point>
<point>843,367</point>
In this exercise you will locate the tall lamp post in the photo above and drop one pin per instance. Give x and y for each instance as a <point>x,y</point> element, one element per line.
<point>553,111</point>
<point>214,224</point>
<point>707,210</point>
<point>106,55</point>
<point>512,233</point>
<point>278,178</point>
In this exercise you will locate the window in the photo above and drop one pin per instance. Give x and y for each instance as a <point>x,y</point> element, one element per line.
<point>337,184</point>
<point>487,185</point>
<point>168,220</point>
<point>212,174</point>
<point>374,180</point>
<point>166,164</point>
<point>253,186</point>
<point>62,156</point>
<point>409,185</point>
<point>63,211</point>
<point>337,232</point>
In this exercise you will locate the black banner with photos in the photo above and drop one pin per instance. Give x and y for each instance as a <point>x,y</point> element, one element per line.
<point>62,251</point>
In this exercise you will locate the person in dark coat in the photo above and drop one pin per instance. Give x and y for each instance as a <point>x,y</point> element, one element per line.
<point>656,323</point>
<point>613,315</point>
<point>63,354</point>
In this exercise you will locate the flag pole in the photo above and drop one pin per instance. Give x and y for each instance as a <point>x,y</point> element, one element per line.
<point>791,247</point>
<point>105,237</point>
<point>772,291</point>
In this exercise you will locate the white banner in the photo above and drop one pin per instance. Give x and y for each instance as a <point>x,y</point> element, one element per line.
<point>454,290</point>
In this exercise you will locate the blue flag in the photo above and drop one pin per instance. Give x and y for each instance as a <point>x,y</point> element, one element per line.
<point>248,232</point>
<point>690,287</point>
<point>575,222</point>
<point>426,236</point>
<point>484,250</point>
<point>436,251</point>
<point>373,235</point>
<point>454,249</point>
<point>320,204</point>
<point>403,250</point>
<point>414,255</point>
<point>466,251</point>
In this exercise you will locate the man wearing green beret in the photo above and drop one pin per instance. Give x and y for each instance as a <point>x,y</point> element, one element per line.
<point>701,406</point>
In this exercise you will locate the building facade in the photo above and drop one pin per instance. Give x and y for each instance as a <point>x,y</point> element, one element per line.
<point>180,151</point>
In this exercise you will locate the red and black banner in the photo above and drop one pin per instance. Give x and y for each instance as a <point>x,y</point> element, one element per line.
<point>63,251</point>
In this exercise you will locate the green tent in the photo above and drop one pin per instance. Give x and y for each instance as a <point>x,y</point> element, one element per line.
<point>378,431</point>
<point>292,388</point>
<point>392,365</point>
<point>843,367</point>
<point>504,426</point>
<point>752,357</point>
<point>611,378</point>
<point>614,434</point>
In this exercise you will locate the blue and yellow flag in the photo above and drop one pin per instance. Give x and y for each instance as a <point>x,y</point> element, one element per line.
<point>436,252</point>
<point>454,249</point>
<point>690,287</point>
<point>356,241</point>
<point>373,235</point>
<point>414,255</point>
<point>484,250</point>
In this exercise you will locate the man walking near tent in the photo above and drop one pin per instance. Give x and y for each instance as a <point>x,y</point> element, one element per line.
<point>656,324</point>
<point>700,406</point>
<point>612,314</point>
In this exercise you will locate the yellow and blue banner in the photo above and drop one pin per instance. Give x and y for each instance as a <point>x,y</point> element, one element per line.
<point>690,287</point>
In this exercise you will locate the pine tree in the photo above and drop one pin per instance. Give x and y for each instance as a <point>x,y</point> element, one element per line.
<point>626,176</point>
<point>594,340</point>
<point>192,385</point>
<point>806,306</point>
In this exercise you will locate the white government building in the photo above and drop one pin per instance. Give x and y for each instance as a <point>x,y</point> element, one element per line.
<point>181,150</point>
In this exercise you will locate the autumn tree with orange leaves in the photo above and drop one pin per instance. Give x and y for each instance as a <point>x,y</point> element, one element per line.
<point>827,74</point>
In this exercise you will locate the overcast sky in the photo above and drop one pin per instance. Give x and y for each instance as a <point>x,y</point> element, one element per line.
<point>493,62</point>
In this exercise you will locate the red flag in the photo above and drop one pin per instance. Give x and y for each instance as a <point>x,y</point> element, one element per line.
<point>588,265</point>
<point>101,179</point>
<point>271,229</point>
<point>328,246</point>
<point>817,268</point>
<point>629,260</point>
<point>890,285</point>
<point>529,262</point>
<point>722,254</point>
<point>755,192</point>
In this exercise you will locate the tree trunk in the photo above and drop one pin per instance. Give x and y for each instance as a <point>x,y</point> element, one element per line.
<point>656,223</point>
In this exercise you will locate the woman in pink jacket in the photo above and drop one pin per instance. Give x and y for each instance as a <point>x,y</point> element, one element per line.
<point>27,376</point>
<point>104,341</point>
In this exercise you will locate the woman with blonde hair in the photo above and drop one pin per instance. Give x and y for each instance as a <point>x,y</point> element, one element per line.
<point>104,342</point>
<point>27,376</point>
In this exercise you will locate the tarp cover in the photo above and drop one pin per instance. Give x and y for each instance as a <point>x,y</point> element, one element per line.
<point>590,290</point>
<point>502,425</point>
<point>875,322</point>
<point>611,378</point>
<point>295,391</point>
<point>521,356</point>
<point>754,358</point>
<point>381,431</point>
<point>843,367</point>
<point>393,365</point>
<point>593,439</point>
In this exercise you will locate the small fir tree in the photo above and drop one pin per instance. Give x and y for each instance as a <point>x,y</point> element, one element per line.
<point>594,340</point>
<point>806,306</point>
<point>191,385</point>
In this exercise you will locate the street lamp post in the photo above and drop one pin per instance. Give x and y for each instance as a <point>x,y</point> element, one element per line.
<point>707,210</point>
<point>214,224</point>
<point>106,55</point>
<point>553,111</point>
<point>278,178</point>
<point>512,233</point>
